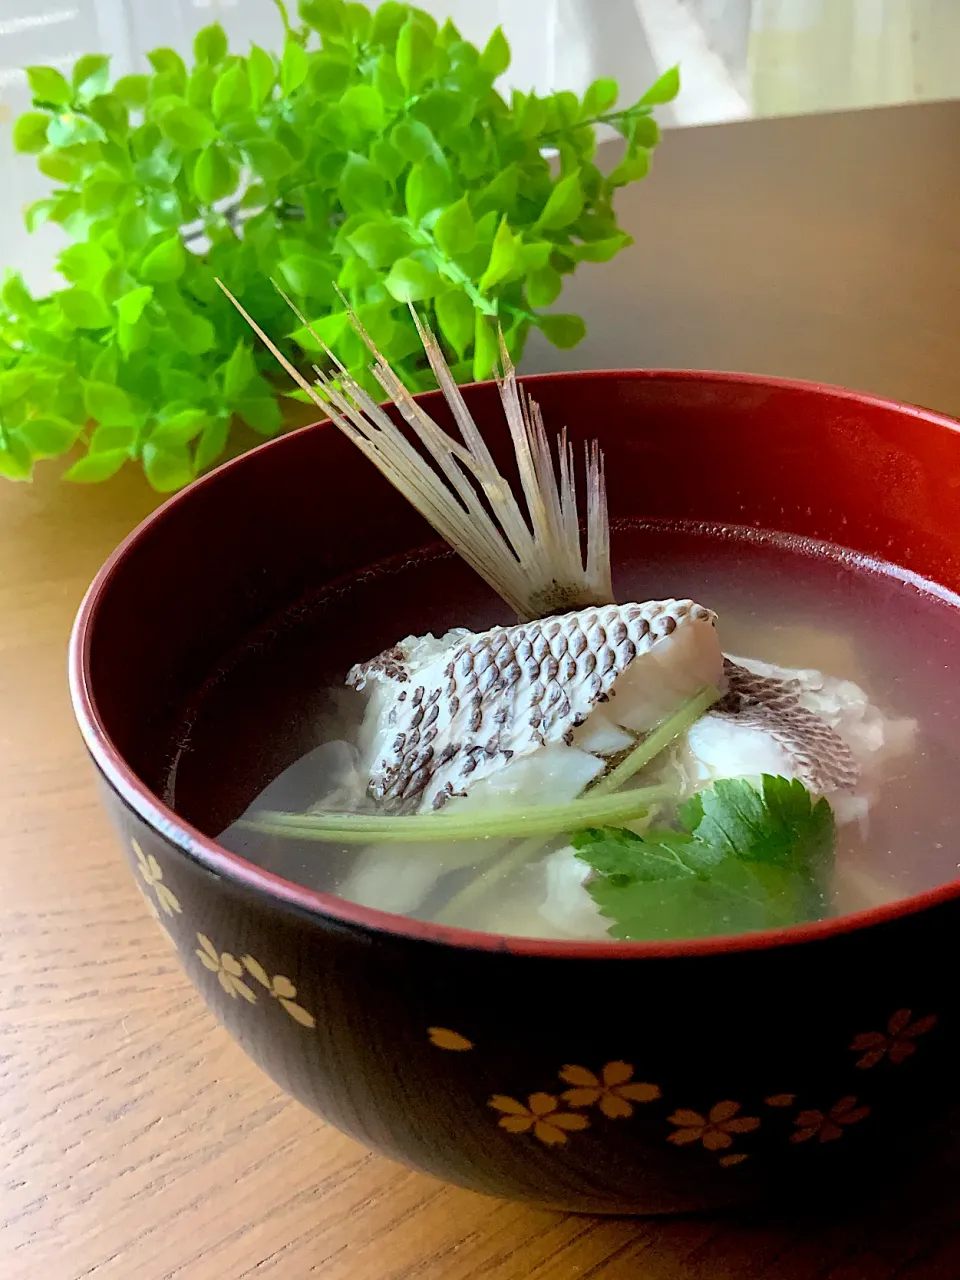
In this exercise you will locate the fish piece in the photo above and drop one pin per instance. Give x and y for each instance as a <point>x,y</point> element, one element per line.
<point>440,723</point>
<point>797,723</point>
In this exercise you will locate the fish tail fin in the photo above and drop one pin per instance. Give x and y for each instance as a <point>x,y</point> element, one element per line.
<point>532,558</point>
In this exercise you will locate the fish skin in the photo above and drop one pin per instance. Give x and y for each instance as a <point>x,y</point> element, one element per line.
<point>821,759</point>
<point>504,692</point>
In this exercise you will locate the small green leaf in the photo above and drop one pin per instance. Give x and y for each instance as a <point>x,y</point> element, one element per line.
<point>564,205</point>
<point>387,159</point>
<point>69,130</point>
<point>164,209</point>
<point>486,347</point>
<point>262,413</point>
<point>15,460</point>
<point>108,404</point>
<point>362,186</point>
<point>293,67</point>
<point>415,142</point>
<point>562,330</point>
<point>455,230</point>
<point>60,167</point>
<point>48,85</point>
<point>664,90</point>
<point>213,175</point>
<point>455,316</point>
<point>132,89</point>
<point>97,466</point>
<point>30,132</point>
<point>543,287</point>
<point>194,333</point>
<point>167,469</point>
<point>165,263</point>
<point>111,436</point>
<point>504,257</point>
<point>388,19</point>
<point>600,96</point>
<point>262,75</point>
<point>380,243</point>
<point>212,443</point>
<point>48,437</point>
<point>427,188</point>
<point>84,263</point>
<point>411,281</point>
<point>169,63</point>
<point>36,214</point>
<point>269,159</point>
<point>231,93</point>
<point>186,127</point>
<point>239,371</point>
<point>496,55</point>
<point>91,75</point>
<point>210,44</point>
<point>414,55</point>
<point>363,103</point>
<point>84,310</point>
<point>180,428</point>
<point>326,16</point>
<point>308,275</point>
<point>634,166</point>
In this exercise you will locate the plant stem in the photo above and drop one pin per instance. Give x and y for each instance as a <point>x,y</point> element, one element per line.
<point>656,741</point>
<point>510,861</point>
<point>541,820</point>
<point>447,267</point>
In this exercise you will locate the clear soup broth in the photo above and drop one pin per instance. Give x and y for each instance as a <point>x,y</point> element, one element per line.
<point>255,736</point>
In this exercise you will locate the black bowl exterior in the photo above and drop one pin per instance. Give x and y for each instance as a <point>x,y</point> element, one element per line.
<point>593,1085</point>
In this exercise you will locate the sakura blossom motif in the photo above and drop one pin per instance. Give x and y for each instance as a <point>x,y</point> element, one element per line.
<point>897,1043</point>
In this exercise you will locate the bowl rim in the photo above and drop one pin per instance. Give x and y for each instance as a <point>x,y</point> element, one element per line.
<point>205,851</point>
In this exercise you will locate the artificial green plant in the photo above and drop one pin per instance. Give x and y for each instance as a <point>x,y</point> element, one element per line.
<point>372,154</point>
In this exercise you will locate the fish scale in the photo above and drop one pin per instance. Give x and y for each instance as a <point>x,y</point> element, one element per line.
<point>497,694</point>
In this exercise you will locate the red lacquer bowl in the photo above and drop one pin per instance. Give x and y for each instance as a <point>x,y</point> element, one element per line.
<point>705,1072</point>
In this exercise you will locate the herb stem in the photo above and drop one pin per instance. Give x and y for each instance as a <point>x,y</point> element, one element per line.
<point>540,820</point>
<point>509,861</point>
<point>656,741</point>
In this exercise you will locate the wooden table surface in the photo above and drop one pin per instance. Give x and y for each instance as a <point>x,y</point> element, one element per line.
<point>136,1140</point>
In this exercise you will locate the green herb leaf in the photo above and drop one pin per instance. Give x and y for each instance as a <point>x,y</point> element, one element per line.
<point>30,132</point>
<point>543,286</point>
<point>108,404</point>
<point>48,85</point>
<point>293,67</point>
<point>414,53</point>
<point>663,90</point>
<point>600,96</point>
<point>48,437</point>
<point>165,263</point>
<point>563,331</point>
<point>213,175</point>
<point>496,55</point>
<point>132,90</point>
<point>456,319</point>
<point>186,126</point>
<point>167,468</point>
<point>428,186</point>
<point>455,230</point>
<point>362,186</point>
<point>261,74</point>
<point>231,92</point>
<point>210,44</point>
<point>239,371</point>
<point>411,281</point>
<point>84,310</point>
<point>97,466</point>
<point>564,205</point>
<point>91,75</point>
<point>745,859</point>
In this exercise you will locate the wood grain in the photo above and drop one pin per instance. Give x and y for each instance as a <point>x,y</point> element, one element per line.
<point>136,1140</point>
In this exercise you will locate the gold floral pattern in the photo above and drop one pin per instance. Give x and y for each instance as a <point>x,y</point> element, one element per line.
<point>897,1043</point>
<point>715,1130</point>
<point>736,1157</point>
<point>444,1038</point>
<point>541,1116</point>
<point>228,969</point>
<point>152,874</point>
<point>829,1126</point>
<point>780,1100</point>
<point>614,1091</point>
<point>282,990</point>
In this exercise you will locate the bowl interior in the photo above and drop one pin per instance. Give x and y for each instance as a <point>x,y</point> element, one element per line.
<point>242,546</point>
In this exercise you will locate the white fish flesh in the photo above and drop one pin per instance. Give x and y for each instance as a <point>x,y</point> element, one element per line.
<point>445,716</point>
